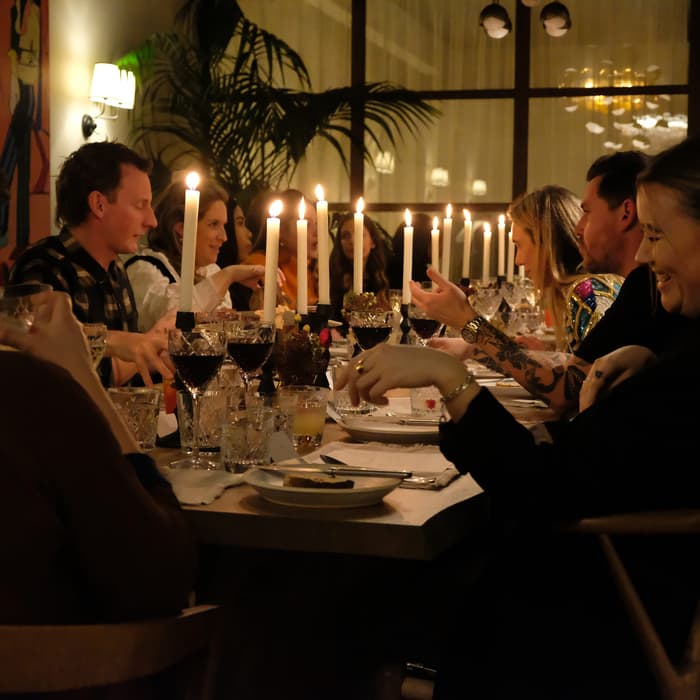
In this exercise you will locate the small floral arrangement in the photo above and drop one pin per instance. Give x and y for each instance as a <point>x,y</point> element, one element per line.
<point>364,301</point>
<point>300,356</point>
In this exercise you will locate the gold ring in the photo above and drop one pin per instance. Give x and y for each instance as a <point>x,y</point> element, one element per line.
<point>359,368</point>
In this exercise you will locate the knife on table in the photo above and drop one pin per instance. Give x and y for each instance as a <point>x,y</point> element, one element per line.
<point>337,470</point>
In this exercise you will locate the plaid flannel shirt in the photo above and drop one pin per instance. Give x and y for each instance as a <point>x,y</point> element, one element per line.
<point>98,295</point>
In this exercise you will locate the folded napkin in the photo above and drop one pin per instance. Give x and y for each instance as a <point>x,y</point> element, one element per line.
<point>194,487</point>
<point>423,460</point>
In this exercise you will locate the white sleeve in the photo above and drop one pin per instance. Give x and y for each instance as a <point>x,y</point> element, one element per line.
<point>205,296</point>
<point>154,293</point>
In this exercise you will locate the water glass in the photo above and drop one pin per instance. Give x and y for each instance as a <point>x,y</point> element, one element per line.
<point>17,302</point>
<point>245,438</point>
<point>340,399</point>
<point>139,406</point>
<point>212,414</point>
<point>307,404</point>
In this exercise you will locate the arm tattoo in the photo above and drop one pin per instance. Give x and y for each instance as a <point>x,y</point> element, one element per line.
<point>553,376</point>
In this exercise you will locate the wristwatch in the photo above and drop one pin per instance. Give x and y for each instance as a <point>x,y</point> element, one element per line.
<point>470,330</point>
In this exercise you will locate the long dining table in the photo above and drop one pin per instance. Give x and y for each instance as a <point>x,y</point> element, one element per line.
<point>334,597</point>
<point>408,524</point>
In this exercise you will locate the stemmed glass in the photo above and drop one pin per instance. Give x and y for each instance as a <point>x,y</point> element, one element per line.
<point>249,343</point>
<point>424,326</point>
<point>96,334</point>
<point>371,327</point>
<point>486,298</point>
<point>197,355</point>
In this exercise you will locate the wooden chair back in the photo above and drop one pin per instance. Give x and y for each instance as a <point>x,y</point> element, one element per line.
<point>52,658</point>
<point>679,681</point>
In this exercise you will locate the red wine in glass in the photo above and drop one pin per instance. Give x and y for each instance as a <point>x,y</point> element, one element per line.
<point>249,356</point>
<point>197,355</point>
<point>424,327</point>
<point>196,371</point>
<point>369,336</point>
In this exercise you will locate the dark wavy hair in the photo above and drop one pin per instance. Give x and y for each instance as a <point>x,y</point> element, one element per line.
<point>375,274</point>
<point>93,167</point>
<point>618,174</point>
<point>170,210</point>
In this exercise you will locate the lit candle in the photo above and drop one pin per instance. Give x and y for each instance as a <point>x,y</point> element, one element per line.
<point>272,249</point>
<point>446,241</point>
<point>501,245</point>
<point>407,258</point>
<point>511,256</point>
<point>467,251</point>
<point>302,260</point>
<point>189,241</point>
<point>358,236</point>
<point>435,246</point>
<point>485,273</point>
<point>324,294</point>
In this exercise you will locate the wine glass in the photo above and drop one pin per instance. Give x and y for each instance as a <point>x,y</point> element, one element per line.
<point>371,327</point>
<point>249,342</point>
<point>17,302</point>
<point>424,326</point>
<point>486,298</point>
<point>197,355</point>
<point>96,334</point>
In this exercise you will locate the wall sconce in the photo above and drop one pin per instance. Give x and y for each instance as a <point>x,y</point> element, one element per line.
<point>439,177</point>
<point>555,19</point>
<point>479,188</point>
<point>495,21</point>
<point>112,88</point>
<point>384,162</point>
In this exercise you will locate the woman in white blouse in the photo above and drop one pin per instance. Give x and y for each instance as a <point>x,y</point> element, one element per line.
<point>154,271</point>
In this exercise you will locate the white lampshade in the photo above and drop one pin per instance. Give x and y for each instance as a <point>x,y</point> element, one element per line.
<point>112,86</point>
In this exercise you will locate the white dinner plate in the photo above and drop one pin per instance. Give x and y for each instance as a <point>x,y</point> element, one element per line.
<point>366,491</point>
<point>367,429</point>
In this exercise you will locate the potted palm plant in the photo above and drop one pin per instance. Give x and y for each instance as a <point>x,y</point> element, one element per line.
<point>214,92</point>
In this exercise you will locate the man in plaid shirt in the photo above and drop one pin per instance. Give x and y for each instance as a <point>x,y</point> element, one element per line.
<point>103,205</point>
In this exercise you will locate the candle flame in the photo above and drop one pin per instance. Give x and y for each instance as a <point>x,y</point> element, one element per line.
<point>467,215</point>
<point>276,207</point>
<point>487,228</point>
<point>435,222</point>
<point>302,208</point>
<point>360,205</point>
<point>407,217</point>
<point>319,193</point>
<point>501,220</point>
<point>192,180</point>
<point>448,211</point>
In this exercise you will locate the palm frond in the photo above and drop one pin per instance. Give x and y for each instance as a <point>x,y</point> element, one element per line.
<point>218,95</point>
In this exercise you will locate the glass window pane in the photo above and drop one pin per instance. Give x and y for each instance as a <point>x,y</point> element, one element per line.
<point>322,165</point>
<point>314,30</point>
<point>592,130</point>
<point>393,221</point>
<point>437,45</point>
<point>634,41</point>
<point>464,156</point>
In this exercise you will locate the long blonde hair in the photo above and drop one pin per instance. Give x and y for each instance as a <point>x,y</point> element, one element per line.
<point>549,216</point>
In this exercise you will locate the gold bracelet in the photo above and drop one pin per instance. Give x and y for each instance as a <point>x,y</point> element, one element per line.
<point>450,395</point>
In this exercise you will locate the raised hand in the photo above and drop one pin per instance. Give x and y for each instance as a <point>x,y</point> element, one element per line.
<point>447,303</point>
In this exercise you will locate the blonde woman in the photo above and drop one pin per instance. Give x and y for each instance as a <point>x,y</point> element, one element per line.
<point>544,225</point>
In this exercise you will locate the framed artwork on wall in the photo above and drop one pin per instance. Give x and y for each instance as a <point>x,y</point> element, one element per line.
<point>24,126</point>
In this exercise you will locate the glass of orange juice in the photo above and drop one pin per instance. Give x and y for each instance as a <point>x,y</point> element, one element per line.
<point>307,404</point>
